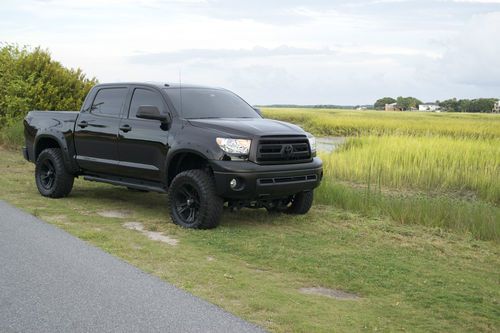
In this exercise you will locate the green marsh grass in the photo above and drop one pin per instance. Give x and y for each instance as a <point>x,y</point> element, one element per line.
<point>430,164</point>
<point>434,169</point>
<point>331,122</point>
<point>480,219</point>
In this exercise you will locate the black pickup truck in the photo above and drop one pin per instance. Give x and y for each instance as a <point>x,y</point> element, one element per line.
<point>202,146</point>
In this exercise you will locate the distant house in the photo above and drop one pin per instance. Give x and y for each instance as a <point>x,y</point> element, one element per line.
<point>496,106</point>
<point>361,108</point>
<point>431,107</point>
<point>392,107</point>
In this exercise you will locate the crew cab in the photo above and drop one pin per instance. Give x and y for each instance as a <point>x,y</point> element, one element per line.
<point>204,147</point>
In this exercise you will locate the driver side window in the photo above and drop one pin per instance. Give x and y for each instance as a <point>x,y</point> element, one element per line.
<point>145,97</point>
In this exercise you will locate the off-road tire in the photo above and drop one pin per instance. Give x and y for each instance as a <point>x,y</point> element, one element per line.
<point>279,208</point>
<point>61,182</point>
<point>209,207</point>
<point>301,203</point>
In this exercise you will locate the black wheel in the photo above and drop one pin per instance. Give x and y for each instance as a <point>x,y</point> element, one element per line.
<point>279,206</point>
<point>52,179</point>
<point>301,203</point>
<point>193,202</point>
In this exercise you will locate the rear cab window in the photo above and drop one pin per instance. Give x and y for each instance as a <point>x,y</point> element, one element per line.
<point>109,101</point>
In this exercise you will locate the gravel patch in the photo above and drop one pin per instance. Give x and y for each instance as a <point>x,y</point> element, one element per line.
<point>119,214</point>
<point>55,218</point>
<point>153,235</point>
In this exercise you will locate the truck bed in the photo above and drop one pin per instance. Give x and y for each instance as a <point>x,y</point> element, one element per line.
<point>58,123</point>
<point>48,116</point>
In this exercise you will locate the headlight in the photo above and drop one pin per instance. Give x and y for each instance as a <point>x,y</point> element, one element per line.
<point>312,143</point>
<point>234,146</point>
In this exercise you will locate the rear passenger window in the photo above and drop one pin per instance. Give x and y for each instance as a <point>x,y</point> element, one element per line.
<point>145,97</point>
<point>109,101</point>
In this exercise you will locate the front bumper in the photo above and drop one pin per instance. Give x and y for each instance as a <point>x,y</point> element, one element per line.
<point>256,182</point>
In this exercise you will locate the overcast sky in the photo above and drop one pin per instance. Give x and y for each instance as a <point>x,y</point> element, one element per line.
<point>285,51</point>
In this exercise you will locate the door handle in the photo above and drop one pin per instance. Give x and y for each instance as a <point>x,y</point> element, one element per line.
<point>83,124</point>
<point>125,128</point>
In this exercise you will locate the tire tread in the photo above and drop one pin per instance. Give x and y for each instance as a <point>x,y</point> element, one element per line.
<point>301,204</point>
<point>64,180</point>
<point>211,209</point>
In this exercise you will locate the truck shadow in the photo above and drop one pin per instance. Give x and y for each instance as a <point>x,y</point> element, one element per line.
<point>151,203</point>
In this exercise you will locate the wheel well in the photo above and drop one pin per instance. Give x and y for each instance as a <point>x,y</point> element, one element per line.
<point>45,143</point>
<point>186,161</point>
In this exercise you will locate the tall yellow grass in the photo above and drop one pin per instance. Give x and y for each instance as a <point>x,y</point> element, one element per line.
<point>329,122</point>
<point>440,164</point>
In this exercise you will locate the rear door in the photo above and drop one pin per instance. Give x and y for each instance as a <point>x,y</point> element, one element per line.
<point>142,143</point>
<point>96,131</point>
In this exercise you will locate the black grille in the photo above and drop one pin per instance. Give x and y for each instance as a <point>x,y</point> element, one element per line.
<point>283,180</point>
<point>271,150</point>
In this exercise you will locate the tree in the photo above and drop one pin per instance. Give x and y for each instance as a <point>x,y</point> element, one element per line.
<point>380,103</point>
<point>468,105</point>
<point>481,105</point>
<point>406,103</point>
<point>463,105</point>
<point>451,105</point>
<point>31,80</point>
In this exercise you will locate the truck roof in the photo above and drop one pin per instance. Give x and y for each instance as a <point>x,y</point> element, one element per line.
<point>159,85</point>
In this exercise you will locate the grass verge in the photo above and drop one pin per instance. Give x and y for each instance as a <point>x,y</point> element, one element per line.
<point>408,277</point>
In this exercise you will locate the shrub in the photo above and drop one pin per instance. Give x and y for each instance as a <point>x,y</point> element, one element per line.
<point>31,80</point>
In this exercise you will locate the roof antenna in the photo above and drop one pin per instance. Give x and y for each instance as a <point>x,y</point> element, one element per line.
<point>180,92</point>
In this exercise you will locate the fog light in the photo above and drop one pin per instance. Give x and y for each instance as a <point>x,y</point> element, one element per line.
<point>233,183</point>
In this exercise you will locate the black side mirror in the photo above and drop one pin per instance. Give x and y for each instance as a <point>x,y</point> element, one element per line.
<point>151,112</point>
<point>258,111</point>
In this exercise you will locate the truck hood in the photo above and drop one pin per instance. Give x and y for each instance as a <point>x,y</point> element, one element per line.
<point>248,127</point>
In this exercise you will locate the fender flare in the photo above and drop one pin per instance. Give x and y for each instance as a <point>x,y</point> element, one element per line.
<point>61,141</point>
<point>173,153</point>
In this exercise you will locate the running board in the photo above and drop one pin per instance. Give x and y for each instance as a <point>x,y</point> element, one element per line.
<point>124,182</point>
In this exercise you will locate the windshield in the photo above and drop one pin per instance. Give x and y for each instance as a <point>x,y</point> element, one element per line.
<point>209,103</point>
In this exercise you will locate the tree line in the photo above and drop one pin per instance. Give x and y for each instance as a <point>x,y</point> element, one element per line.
<point>31,80</point>
<point>450,105</point>
<point>468,105</point>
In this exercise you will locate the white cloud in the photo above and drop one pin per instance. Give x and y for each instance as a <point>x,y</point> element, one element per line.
<point>472,58</point>
<point>479,1</point>
<point>345,52</point>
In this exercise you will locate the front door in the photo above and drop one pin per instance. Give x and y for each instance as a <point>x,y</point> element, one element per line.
<point>96,131</point>
<point>142,143</point>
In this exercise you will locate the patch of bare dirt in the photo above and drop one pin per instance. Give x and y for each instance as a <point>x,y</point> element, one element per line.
<point>55,218</point>
<point>332,293</point>
<point>120,214</point>
<point>153,235</point>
